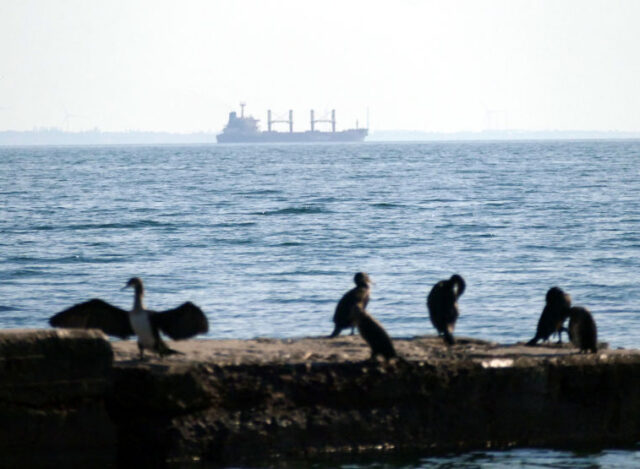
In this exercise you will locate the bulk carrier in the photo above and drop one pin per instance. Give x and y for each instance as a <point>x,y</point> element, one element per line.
<point>241,129</point>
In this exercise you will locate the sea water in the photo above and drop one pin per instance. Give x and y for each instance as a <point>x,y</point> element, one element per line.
<point>265,239</point>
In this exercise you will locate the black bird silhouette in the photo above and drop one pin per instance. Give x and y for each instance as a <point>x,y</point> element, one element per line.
<point>182,322</point>
<point>442,303</point>
<point>373,333</point>
<point>583,332</point>
<point>357,297</point>
<point>554,314</point>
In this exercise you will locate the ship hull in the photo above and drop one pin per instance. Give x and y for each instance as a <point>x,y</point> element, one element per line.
<point>351,135</point>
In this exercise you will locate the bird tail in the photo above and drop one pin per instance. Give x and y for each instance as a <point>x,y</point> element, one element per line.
<point>533,341</point>
<point>448,338</point>
<point>335,333</point>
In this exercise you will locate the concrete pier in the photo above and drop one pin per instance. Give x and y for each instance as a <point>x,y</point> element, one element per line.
<point>53,391</point>
<point>249,402</point>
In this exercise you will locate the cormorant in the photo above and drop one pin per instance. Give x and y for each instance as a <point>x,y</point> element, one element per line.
<point>582,329</point>
<point>553,316</point>
<point>357,297</point>
<point>182,322</point>
<point>443,307</point>
<point>373,333</point>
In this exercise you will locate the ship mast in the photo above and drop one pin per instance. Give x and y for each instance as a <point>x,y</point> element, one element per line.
<point>242,105</point>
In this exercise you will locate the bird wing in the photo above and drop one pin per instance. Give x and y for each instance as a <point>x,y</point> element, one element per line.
<point>356,297</point>
<point>343,309</point>
<point>441,303</point>
<point>182,322</point>
<point>435,295</point>
<point>95,314</point>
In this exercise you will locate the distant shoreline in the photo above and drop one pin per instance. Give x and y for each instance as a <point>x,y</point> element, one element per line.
<point>95,137</point>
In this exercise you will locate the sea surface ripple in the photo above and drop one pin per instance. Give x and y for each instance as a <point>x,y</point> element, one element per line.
<point>267,238</point>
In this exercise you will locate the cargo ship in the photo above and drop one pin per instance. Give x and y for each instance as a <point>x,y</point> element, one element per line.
<point>245,129</point>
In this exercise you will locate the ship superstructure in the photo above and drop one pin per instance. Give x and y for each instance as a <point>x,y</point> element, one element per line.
<point>245,129</point>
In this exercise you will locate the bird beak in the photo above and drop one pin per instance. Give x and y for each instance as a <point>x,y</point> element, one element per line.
<point>125,287</point>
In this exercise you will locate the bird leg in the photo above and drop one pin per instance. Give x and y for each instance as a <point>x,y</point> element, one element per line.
<point>141,349</point>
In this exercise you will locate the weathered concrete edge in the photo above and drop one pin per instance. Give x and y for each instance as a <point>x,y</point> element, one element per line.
<point>255,413</point>
<point>53,390</point>
<point>248,413</point>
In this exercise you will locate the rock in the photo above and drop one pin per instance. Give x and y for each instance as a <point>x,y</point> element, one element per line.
<point>265,401</point>
<point>244,408</point>
<point>52,397</point>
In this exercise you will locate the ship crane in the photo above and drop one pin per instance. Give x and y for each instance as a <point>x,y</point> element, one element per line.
<point>271,121</point>
<point>331,121</point>
<point>245,129</point>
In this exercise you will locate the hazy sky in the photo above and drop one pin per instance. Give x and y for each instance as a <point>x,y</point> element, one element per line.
<point>416,65</point>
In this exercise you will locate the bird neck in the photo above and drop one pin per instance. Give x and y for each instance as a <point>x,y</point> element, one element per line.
<point>138,304</point>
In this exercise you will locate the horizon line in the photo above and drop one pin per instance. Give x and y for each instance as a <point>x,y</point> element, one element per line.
<point>413,131</point>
